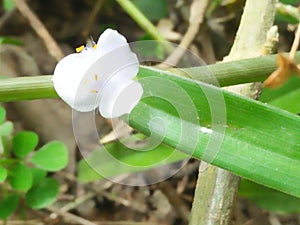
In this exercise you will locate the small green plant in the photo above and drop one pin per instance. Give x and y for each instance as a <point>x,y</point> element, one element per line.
<point>23,170</point>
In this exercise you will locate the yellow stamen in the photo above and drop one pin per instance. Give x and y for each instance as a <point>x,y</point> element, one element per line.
<point>80,48</point>
<point>95,46</point>
<point>96,77</point>
<point>94,91</point>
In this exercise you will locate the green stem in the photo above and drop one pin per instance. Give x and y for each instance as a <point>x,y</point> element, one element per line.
<point>216,188</point>
<point>229,73</point>
<point>214,192</point>
<point>26,88</point>
<point>141,19</point>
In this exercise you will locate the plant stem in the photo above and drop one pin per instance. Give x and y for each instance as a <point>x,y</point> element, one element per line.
<point>227,73</point>
<point>26,88</point>
<point>141,19</point>
<point>236,72</point>
<point>216,188</point>
<point>220,184</point>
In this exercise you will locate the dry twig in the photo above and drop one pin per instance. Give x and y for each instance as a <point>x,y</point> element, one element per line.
<point>92,18</point>
<point>70,216</point>
<point>197,14</point>
<point>77,202</point>
<point>295,44</point>
<point>40,29</point>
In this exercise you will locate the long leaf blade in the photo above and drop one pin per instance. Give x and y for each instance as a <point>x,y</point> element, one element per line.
<point>260,142</point>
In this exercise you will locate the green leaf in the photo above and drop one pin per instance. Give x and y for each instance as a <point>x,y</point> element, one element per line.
<point>269,199</point>
<point>52,156</point>
<point>20,178</point>
<point>286,97</point>
<point>43,194</point>
<point>10,41</point>
<point>6,128</point>
<point>287,13</point>
<point>2,114</point>
<point>154,11</point>
<point>270,94</point>
<point>38,175</point>
<point>291,2</point>
<point>8,5</point>
<point>8,205</point>
<point>289,102</point>
<point>100,165</point>
<point>24,142</point>
<point>256,141</point>
<point>3,174</point>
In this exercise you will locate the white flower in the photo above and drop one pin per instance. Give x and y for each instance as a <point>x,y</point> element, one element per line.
<point>100,76</point>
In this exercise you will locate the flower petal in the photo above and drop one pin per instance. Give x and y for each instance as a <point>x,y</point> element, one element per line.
<point>84,80</point>
<point>119,97</point>
<point>110,40</point>
<point>119,63</point>
<point>68,76</point>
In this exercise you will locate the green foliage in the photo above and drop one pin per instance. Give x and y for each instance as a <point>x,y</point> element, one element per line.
<point>2,115</point>
<point>24,142</point>
<point>253,134</point>
<point>291,2</point>
<point>8,40</point>
<point>125,160</point>
<point>3,174</point>
<point>287,13</point>
<point>154,11</point>
<point>20,178</point>
<point>42,194</point>
<point>269,199</point>
<point>8,205</point>
<point>285,97</point>
<point>19,173</point>
<point>51,157</point>
<point>8,5</point>
<point>37,175</point>
<point>6,128</point>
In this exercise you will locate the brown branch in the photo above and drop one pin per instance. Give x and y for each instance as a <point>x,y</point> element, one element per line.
<point>40,29</point>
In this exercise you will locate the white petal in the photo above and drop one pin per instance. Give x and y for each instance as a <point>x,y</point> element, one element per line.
<point>68,75</point>
<point>109,40</point>
<point>119,97</point>
<point>79,78</point>
<point>117,54</point>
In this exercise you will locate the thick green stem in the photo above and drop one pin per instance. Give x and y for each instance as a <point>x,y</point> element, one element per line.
<point>216,188</point>
<point>26,88</point>
<point>220,184</point>
<point>237,72</point>
<point>229,73</point>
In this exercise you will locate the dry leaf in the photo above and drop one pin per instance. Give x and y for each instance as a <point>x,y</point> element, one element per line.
<point>285,69</point>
